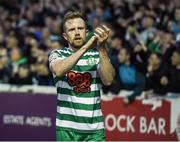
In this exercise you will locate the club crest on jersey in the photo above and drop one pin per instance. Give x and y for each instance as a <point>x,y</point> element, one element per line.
<point>80,81</point>
<point>91,61</point>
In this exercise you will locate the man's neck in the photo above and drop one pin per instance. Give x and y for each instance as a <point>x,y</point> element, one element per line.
<point>127,63</point>
<point>156,66</point>
<point>73,48</point>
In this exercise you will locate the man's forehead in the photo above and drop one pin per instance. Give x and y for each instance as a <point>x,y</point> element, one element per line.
<point>74,22</point>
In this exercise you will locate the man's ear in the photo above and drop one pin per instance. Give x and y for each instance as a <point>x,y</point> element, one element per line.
<point>87,32</point>
<point>65,36</point>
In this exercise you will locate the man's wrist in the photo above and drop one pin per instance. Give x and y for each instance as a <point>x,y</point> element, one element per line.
<point>84,48</point>
<point>101,47</point>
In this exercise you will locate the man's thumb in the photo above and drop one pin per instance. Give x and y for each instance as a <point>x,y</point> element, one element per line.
<point>91,41</point>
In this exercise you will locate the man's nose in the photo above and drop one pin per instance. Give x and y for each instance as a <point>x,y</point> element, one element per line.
<point>76,31</point>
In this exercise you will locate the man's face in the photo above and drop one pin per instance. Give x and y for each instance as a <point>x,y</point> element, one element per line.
<point>123,56</point>
<point>23,72</point>
<point>154,60</point>
<point>175,59</point>
<point>75,32</point>
<point>12,42</point>
<point>15,54</point>
<point>116,43</point>
<point>177,14</point>
<point>147,22</point>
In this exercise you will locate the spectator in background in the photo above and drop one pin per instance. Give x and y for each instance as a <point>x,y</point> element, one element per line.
<point>23,76</point>
<point>130,78</point>
<point>115,46</point>
<point>4,68</point>
<point>11,41</point>
<point>175,24</point>
<point>17,60</point>
<point>40,68</point>
<point>175,72</point>
<point>157,77</point>
<point>148,29</point>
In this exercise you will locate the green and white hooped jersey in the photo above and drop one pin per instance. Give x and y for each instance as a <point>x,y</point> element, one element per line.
<point>78,101</point>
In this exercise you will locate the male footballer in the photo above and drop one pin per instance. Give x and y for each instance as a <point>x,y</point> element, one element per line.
<point>78,72</point>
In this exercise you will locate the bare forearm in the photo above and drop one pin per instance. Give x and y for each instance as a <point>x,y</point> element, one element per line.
<point>107,71</point>
<point>61,67</point>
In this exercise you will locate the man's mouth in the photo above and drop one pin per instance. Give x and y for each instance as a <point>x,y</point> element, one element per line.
<point>77,38</point>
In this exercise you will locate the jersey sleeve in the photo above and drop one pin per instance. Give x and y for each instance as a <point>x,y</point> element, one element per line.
<point>55,54</point>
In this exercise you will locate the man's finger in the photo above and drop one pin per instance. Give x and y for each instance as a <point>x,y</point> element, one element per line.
<point>106,28</point>
<point>98,31</point>
<point>97,35</point>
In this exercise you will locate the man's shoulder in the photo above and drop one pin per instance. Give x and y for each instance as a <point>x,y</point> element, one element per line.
<point>61,52</point>
<point>57,53</point>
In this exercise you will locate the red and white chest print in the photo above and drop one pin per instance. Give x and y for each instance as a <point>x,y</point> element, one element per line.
<point>81,82</point>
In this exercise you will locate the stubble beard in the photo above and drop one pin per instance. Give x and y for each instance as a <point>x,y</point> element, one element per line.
<point>77,44</point>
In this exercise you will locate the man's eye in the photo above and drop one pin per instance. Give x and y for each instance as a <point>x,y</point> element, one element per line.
<point>80,28</point>
<point>71,29</point>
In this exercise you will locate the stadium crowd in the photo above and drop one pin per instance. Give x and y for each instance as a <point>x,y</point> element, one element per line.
<point>144,44</point>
